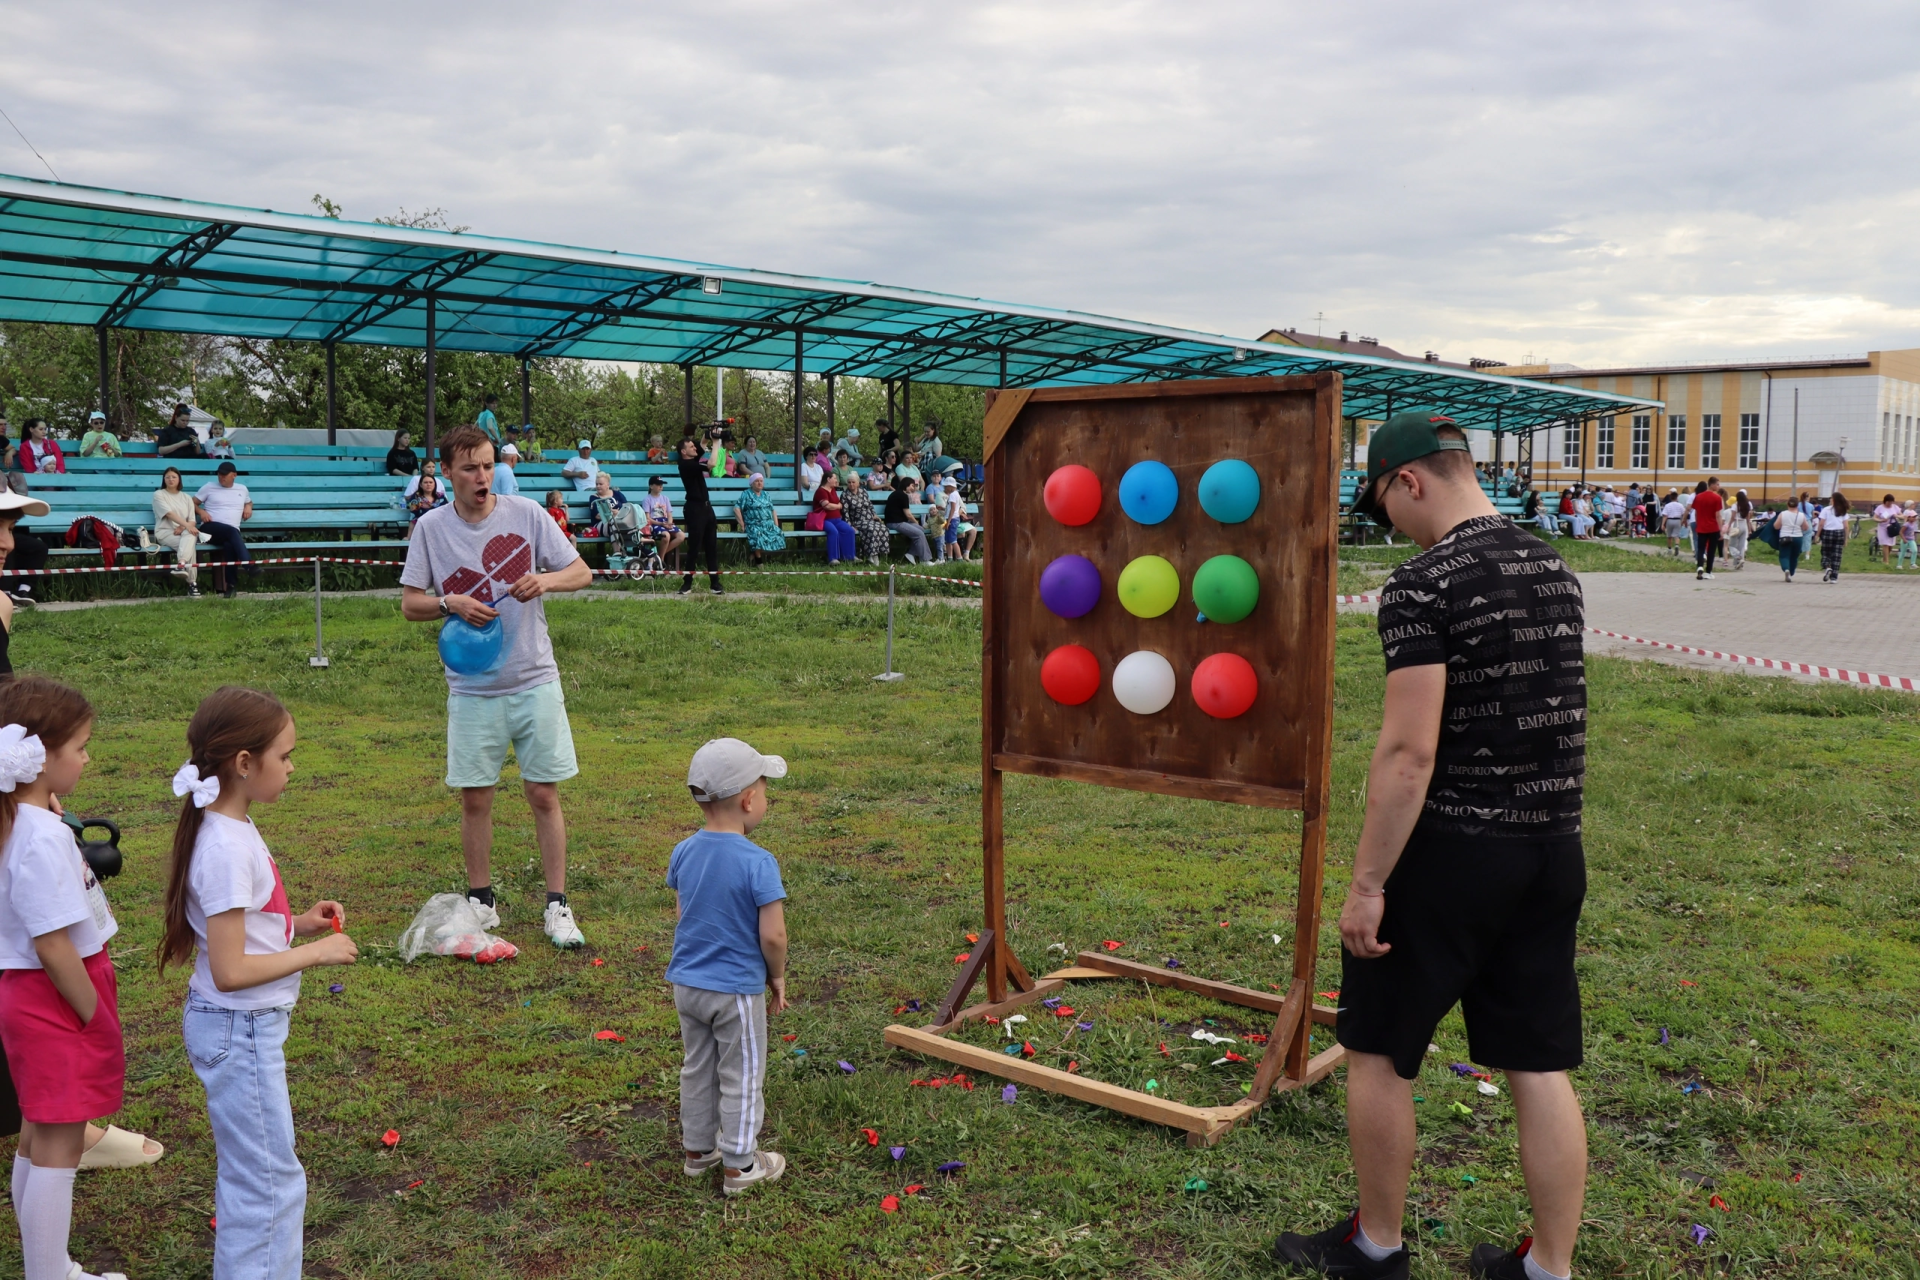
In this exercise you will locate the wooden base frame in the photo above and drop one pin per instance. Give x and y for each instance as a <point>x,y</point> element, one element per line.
<point>1291,426</point>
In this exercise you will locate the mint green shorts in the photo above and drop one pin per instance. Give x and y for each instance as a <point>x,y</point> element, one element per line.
<point>533,722</point>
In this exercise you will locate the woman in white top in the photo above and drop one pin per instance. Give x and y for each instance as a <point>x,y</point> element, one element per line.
<point>810,474</point>
<point>1832,522</point>
<point>1887,514</point>
<point>1790,527</point>
<point>1736,524</point>
<point>176,528</point>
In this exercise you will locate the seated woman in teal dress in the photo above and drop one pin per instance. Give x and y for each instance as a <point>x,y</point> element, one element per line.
<point>757,520</point>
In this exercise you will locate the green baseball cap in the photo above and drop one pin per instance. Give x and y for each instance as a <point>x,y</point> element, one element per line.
<point>1410,434</point>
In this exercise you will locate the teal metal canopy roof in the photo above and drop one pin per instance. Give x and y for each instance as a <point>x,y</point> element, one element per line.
<point>87,256</point>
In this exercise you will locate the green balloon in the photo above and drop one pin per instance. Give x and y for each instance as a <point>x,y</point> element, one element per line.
<point>1226,589</point>
<point>1149,586</point>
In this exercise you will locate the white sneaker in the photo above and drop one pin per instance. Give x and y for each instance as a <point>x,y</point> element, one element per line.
<point>489,916</point>
<point>561,928</point>
<point>767,1167</point>
<point>697,1165</point>
<point>74,1272</point>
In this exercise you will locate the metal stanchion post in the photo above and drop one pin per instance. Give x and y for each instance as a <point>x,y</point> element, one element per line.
<point>318,659</point>
<point>890,674</point>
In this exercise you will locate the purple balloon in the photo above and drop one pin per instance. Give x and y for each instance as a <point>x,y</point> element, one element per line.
<point>1070,586</point>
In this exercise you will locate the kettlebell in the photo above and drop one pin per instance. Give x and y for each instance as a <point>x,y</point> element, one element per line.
<point>102,855</point>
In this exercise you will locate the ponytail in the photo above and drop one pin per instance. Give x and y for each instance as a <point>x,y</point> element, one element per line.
<point>47,709</point>
<point>230,720</point>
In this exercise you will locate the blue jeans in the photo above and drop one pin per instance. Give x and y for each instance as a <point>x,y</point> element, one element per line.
<point>840,541</point>
<point>260,1190</point>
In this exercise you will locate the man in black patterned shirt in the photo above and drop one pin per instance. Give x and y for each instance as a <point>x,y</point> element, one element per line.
<point>1469,875</point>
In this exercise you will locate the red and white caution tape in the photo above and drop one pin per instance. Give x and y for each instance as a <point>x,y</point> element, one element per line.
<point>1911,684</point>
<point>167,564</point>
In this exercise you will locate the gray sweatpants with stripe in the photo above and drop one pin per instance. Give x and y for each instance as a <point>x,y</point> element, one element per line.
<point>722,1084</point>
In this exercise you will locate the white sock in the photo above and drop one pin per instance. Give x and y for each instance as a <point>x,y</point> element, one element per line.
<point>1537,1272</point>
<point>1373,1252</point>
<point>20,1166</point>
<point>44,1221</point>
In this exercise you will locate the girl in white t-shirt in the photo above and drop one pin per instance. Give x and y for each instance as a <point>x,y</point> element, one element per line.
<point>227,907</point>
<point>59,1003</point>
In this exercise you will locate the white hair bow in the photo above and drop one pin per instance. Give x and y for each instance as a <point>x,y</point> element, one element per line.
<point>205,790</point>
<point>22,756</point>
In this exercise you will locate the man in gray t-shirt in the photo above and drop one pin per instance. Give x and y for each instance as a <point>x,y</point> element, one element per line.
<point>489,555</point>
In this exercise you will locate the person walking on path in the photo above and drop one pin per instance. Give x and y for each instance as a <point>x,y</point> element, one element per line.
<point>1468,879</point>
<point>1832,523</point>
<point>1736,526</point>
<point>1707,505</point>
<point>1909,539</point>
<point>485,557</point>
<point>1790,529</point>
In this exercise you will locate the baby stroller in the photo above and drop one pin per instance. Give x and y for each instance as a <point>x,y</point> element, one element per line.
<point>629,550</point>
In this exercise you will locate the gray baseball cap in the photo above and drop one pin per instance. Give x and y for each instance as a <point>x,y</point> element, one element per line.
<point>726,767</point>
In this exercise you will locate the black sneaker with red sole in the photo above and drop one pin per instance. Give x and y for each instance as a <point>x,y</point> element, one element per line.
<point>1491,1262</point>
<point>1333,1252</point>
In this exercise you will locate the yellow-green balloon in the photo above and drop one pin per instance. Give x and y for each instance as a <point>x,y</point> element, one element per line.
<point>1149,587</point>
<point>1226,589</point>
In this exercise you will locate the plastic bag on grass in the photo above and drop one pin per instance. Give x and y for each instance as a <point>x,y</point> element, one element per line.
<point>450,925</point>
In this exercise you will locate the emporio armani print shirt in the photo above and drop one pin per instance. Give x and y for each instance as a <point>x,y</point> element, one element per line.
<point>1504,614</point>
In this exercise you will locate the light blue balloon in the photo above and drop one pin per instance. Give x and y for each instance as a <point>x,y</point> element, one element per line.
<point>469,650</point>
<point>1229,491</point>
<point>1148,492</point>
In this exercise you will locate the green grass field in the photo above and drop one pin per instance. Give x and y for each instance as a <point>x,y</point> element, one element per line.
<point>1753,893</point>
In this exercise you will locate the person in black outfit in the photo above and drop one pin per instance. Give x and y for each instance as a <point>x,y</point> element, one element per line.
<point>12,507</point>
<point>888,437</point>
<point>401,459</point>
<point>22,550</point>
<point>899,519</point>
<point>703,530</point>
<point>1469,874</point>
<point>178,439</point>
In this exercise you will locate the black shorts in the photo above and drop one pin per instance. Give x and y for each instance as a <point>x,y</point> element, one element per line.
<point>1485,923</point>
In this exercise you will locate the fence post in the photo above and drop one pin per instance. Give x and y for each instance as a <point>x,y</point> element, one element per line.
<point>890,674</point>
<point>318,659</point>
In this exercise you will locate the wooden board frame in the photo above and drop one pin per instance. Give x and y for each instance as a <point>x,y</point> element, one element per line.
<point>1313,518</point>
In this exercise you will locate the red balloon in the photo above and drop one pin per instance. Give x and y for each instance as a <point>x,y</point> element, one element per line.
<point>1070,675</point>
<point>1224,685</point>
<point>1073,495</point>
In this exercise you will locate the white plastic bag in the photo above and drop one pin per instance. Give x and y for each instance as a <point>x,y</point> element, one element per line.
<point>450,925</point>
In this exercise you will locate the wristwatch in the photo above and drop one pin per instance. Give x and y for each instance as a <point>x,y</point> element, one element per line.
<point>444,611</point>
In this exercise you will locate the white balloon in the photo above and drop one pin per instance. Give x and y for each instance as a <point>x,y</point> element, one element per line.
<point>1143,682</point>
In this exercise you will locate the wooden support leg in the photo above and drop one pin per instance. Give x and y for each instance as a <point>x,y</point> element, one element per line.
<point>993,879</point>
<point>978,959</point>
<point>1280,1042</point>
<point>1306,925</point>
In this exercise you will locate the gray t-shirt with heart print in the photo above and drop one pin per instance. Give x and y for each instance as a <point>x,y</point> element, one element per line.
<point>451,557</point>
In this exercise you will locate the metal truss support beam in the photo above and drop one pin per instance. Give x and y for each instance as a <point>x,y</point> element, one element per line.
<point>406,290</point>
<point>164,271</point>
<point>611,307</point>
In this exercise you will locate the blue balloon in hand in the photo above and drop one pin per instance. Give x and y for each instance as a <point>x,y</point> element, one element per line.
<point>469,650</point>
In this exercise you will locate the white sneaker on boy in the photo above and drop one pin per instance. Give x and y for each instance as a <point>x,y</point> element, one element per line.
<point>767,1167</point>
<point>561,928</point>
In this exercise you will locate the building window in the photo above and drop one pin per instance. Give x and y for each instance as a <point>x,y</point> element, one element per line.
<point>1749,442</point>
<point>1603,446</point>
<point>1677,442</point>
<point>1570,446</point>
<point>1887,440</point>
<point>1709,442</point>
<point>1642,457</point>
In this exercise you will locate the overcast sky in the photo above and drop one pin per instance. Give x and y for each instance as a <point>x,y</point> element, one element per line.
<point>1591,183</point>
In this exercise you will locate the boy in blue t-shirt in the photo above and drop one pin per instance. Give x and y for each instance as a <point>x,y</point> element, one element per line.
<point>729,947</point>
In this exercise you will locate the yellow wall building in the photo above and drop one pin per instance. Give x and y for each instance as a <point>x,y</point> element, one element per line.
<point>1767,428</point>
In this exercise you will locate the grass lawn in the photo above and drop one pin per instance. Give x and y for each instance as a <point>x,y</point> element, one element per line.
<point>1753,897</point>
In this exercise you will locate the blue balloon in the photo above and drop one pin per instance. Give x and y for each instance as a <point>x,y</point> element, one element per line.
<point>1229,491</point>
<point>1148,492</point>
<point>469,650</point>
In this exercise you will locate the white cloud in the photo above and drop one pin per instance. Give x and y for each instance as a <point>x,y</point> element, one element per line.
<point>1606,184</point>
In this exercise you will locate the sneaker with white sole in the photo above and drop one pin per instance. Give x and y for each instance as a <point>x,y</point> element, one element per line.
<point>697,1165</point>
<point>489,916</point>
<point>561,928</point>
<point>767,1167</point>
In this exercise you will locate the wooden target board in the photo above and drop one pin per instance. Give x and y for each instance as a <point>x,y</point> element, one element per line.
<point>1116,518</point>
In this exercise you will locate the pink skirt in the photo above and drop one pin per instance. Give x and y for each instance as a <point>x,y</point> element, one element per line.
<point>63,1072</point>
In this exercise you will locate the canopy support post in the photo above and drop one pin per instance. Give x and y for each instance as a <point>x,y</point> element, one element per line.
<point>526,395</point>
<point>1003,368</point>
<point>431,317</point>
<point>333,433</point>
<point>799,393</point>
<point>106,389</point>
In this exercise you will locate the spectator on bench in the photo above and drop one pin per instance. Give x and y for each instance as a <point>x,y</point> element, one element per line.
<point>99,442</point>
<point>424,499</point>
<point>26,551</point>
<point>504,481</point>
<point>38,450</point>
<point>750,457</point>
<point>581,469</point>
<point>870,535</point>
<point>427,468</point>
<point>826,501</point>
<point>177,527</point>
<point>218,446</point>
<point>12,507</point>
<point>557,508</point>
<point>223,504</point>
<point>900,520</point>
<point>657,449</point>
<point>178,439</point>
<point>10,465</point>
<point>758,520</point>
<point>933,453</point>
<point>401,459</point>
<point>881,481</point>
